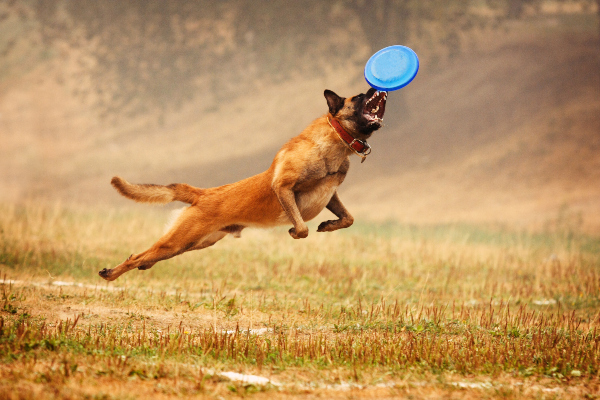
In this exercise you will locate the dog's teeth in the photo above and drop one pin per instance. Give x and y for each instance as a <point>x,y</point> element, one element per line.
<point>375,110</point>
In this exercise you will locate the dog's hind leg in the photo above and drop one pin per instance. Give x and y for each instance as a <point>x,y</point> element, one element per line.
<point>189,233</point>
<point>209,240</point>
<point>203,243</point>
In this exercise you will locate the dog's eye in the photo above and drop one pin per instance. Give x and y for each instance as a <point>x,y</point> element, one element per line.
<point>357,97</point>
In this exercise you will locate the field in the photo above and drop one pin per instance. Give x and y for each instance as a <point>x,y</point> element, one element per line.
<point>473,268</point>
<point>389,310</point>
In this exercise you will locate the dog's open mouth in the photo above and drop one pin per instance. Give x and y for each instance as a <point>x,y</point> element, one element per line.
<point>375,107</point>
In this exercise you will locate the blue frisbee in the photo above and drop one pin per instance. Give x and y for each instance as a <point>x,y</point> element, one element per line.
<point>392,68</point>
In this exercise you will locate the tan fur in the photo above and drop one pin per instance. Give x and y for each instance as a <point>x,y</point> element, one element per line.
<point>299,184</point>
<point>150,193</point>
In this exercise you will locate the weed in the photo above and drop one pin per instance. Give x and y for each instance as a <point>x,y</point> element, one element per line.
<point>400,301</point>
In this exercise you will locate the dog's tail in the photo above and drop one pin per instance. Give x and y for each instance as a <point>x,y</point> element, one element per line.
<point>150,193</point>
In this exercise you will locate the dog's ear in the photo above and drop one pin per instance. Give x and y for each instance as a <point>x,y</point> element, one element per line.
<point>334,101</point>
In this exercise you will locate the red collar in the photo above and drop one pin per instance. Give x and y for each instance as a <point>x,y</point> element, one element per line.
<point>360,147</point>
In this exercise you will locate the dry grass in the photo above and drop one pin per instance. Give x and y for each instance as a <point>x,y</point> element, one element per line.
<point>376,310</point>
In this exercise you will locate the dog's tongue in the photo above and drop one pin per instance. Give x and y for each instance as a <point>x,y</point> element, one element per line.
<point>376,104</point>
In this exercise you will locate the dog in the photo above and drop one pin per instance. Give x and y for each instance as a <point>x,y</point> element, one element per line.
<point>301,182</point>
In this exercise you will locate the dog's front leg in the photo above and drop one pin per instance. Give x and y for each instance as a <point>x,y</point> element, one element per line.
<point>287,199</point>
<point>345,219</point>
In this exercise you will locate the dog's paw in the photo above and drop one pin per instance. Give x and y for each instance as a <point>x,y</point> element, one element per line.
<point>326,226</point>
<point>105,273</point>
<point>334,225</point>
<point>144,267</point>
<point>300,234</point>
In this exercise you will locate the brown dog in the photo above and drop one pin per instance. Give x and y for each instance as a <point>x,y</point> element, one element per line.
<point>301,181</point>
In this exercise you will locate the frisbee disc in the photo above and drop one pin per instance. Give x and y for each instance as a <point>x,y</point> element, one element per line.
<point>392,68</point>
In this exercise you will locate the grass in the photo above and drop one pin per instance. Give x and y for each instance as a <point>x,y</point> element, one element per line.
<point>392,310</point>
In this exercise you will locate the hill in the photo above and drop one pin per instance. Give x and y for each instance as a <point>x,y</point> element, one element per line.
<point>507,132</point>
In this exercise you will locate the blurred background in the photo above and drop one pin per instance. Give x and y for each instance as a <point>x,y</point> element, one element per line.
<point>501,125</point>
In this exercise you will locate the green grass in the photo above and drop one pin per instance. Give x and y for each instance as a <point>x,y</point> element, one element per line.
<point>372,305</point>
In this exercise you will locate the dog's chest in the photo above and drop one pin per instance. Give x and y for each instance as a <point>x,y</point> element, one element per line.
<point>311,202</point>
<point>317,189</point>
<point>317,180</point>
